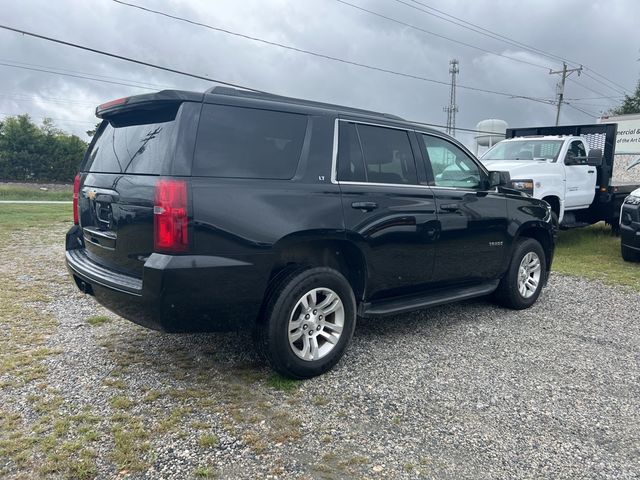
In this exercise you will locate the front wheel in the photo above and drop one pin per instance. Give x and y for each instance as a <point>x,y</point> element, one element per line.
<point>629,254</point>
<point>308,322</point>
<point>522,284</point>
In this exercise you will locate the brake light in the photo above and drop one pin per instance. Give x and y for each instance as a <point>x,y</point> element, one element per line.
<point>76,192</point>
<point>170,216</point>
<point>113,103</point>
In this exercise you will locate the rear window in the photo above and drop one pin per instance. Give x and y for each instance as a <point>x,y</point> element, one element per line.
<point>132,148</point>
<point>242,142</point>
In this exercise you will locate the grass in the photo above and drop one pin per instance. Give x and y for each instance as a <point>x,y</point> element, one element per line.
<point>594,253</point>
<point>24,192</point>
<point>278,382</point>
<point>27,217</point>
<point>204,472</point>
<point>97,320</point>
<point>208,440</point>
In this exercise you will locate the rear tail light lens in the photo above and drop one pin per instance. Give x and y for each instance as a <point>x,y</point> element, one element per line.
<point>170,216</point>
<point>76,192</point>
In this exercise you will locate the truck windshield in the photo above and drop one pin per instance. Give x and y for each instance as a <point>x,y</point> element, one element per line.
<point>524,150</point>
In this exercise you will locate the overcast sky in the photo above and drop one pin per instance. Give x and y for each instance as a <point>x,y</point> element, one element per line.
<point>601,34</point>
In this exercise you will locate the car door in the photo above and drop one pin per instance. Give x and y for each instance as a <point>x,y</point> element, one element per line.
<point>580,184</point>
<point>386,212</point>
<point>472,243</point>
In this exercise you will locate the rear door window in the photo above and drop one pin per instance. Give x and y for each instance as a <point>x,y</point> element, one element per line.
<point>138,148</point>
<point>350,159</point>
<point>387,154</point>
<point>242,142</point>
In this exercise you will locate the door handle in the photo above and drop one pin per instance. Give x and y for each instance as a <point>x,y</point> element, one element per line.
<point>450,207</point>
<point>366,206</point>
<point>590,171</point>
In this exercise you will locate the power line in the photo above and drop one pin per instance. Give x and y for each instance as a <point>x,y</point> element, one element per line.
<point>617,90</point>
<point>581,110</point>
<point>86,77</point>
<point>597,98</point>
<point>308,52</point>
<point>108,77</point>
<point>475,28</point>
<point>586,87</point>
<point>124,58</point>
<point>127,59</point>
<point>414,27</point>
<point>601,105</point>
<point>496,36</point>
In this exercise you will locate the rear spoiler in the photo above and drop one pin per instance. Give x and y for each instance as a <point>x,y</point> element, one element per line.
<point>164,98</point>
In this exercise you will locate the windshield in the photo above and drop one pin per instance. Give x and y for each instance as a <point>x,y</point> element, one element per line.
<point>524,150</point>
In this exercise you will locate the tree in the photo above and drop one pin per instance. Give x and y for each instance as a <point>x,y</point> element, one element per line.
<point>630,104</point>
<point>32,153</point>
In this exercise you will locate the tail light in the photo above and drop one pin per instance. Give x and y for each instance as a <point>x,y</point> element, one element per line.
<point>170,216</point>
<point>76,192</point>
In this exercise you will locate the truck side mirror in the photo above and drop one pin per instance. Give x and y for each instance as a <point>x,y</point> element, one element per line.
<point>499,179</point>
<point>595,157</point>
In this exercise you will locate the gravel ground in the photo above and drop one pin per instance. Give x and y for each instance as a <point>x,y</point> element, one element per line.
<point>462,391</point>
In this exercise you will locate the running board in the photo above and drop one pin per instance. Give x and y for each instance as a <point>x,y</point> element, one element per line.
<point>423,300</point>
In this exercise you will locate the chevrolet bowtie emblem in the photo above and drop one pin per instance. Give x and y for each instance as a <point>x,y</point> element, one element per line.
<point>91,194</point>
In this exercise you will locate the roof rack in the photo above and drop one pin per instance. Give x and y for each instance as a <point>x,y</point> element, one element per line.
<point>297,101</point>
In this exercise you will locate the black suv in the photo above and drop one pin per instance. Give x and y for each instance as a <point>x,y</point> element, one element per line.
<point>234,209</point>
<point>630,227</point>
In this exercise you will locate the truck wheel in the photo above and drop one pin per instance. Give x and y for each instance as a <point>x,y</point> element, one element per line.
<point>521,285</point>
<point>629,254</point>
<point>308,322</point>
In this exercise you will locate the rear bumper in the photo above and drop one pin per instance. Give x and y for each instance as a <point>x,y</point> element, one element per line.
<point>185,293</point>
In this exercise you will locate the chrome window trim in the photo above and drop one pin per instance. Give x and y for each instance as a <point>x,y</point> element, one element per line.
<point>334,159</point>
<point>364,184</point>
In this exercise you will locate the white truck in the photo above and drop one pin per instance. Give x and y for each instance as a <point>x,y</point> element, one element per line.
<point>570,167</point>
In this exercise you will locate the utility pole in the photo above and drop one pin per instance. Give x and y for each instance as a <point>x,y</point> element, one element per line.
<point>452,108</point>
<point>565,72</point>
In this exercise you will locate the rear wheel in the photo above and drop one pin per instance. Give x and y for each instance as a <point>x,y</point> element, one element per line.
<point>629,254</point>
<point>521,285</point>
<point>308,322</point>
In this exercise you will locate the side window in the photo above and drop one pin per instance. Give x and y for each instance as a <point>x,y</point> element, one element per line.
<point>248,143</point>
<point>451,166</point>
<point>350,160</point>
<point>388,155</point>
<point>576,149</point>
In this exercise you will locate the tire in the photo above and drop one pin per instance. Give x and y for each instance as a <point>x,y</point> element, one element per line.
<point>508,293</point>
<point>290,324</point>
<point>629,254</point>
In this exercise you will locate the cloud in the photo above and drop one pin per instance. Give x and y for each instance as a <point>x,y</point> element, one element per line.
<point>597,34</point>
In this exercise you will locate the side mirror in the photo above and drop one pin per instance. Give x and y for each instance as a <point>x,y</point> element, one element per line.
<point>499,179</point>
<point>594,158</point>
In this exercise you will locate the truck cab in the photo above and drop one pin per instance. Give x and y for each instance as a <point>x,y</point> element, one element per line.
<point>569,166</point>
<point>553,168</point>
